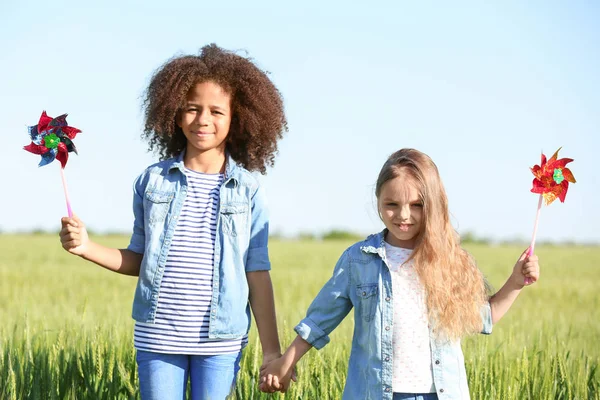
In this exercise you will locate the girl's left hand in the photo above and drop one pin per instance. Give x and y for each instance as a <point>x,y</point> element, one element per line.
<point>527,270</point>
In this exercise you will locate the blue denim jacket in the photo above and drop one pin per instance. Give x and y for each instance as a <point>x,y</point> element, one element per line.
<point>240,244</point>
<point>362,280</point>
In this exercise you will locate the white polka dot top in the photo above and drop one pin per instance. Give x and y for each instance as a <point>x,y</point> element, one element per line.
<point>412,369</point>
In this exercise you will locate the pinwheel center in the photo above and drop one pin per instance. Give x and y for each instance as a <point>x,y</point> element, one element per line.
<point>51,141</point>
<point>558,176</point>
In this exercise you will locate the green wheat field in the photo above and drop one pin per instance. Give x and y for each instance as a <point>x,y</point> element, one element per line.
<point>66,331</point>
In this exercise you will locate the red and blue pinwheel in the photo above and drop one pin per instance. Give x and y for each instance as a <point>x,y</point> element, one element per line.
<point>52,138</point>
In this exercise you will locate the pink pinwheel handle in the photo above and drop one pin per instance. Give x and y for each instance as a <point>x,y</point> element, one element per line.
<point>64,182</point>
<point>69,210</point>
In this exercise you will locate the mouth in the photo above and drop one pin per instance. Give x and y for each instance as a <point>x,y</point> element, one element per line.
<point>201,133</point>
<point>404,227</point>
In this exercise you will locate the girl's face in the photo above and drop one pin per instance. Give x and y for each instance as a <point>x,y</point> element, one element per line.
<point>206,118</point>
<point>401,210</point>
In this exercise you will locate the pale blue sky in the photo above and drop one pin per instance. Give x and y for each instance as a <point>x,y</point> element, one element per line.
<point>480,88</point>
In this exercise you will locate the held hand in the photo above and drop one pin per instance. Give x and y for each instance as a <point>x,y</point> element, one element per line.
<point>526,270</point>
<point>271,386</point>
<point>268,357</point>
<point>276,375</point>
<point>268,382</point>
<point>73,235</point>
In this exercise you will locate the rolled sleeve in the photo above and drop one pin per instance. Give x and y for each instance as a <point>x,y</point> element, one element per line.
<point>138,239</point>
<point>257,258</point>
<point>311,332</point>
<point>486,318</point>
<point>329,308</point>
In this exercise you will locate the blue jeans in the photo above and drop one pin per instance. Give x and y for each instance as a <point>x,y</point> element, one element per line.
<point>165,376</point>
<point>415,396</point>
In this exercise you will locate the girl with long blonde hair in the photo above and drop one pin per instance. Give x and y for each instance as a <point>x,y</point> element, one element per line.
<point>415,292</point>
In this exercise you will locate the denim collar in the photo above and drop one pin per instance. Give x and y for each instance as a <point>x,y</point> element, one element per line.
<point>375,244</point>
<point>231,166</point>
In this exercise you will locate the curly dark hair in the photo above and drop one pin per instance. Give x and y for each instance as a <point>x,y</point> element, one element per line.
<point>258,119</point>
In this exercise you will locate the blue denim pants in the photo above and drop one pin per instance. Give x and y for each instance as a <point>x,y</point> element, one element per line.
<point>165,376</point>
<point>415,396</point>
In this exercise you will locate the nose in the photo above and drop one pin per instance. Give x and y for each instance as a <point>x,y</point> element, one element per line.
<point>204,118</point>
<point>405,213</point>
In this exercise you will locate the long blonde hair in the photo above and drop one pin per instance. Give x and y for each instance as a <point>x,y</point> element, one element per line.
<point>454,287</point>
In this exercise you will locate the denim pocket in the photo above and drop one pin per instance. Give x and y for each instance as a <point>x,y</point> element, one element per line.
<point>367,300</point>
<point>157,205</point>
<point>234,217</point>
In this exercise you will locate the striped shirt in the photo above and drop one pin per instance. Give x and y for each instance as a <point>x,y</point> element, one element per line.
<point>183,309</point>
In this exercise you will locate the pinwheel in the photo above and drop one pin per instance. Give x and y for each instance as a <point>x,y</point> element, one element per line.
<point>52,138</point>
<point>551,182</point>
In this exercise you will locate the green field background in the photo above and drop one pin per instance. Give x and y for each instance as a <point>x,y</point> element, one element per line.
<point>66,331</point>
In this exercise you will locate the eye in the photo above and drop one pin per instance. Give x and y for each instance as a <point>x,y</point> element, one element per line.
<point>391,204</point>
<point>417,205</point>
<point>217,112</point>
<point>191,110</point>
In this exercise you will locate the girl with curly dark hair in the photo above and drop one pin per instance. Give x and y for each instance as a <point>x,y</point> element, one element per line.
<point>199,242</point>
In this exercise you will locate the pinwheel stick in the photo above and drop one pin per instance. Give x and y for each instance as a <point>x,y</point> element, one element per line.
<point>535,226</point>
<point>64,182</point>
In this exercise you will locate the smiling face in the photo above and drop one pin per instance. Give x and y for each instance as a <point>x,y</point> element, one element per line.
<point>205,119</point>
<point>401,209</point>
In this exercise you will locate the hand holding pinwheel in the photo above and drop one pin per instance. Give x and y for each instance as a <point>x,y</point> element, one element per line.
<point>551,182</point>
<point>52,138</point>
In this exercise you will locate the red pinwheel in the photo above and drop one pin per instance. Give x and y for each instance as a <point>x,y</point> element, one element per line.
<point>552,178</point>
<point>52,138</point>
<point>551,182</point>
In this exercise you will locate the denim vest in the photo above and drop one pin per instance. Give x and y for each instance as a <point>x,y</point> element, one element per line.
<point>362,279</point>
<point>240,243</point>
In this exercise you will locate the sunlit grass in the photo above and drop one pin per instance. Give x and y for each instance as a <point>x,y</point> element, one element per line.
<point>66,330</point>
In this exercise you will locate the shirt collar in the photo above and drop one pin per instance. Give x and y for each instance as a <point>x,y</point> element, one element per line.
<point>375,244</point>
<point>231,166</point>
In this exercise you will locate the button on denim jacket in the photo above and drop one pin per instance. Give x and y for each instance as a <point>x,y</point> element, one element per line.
<point>240,243</point>
<point>362,280</point>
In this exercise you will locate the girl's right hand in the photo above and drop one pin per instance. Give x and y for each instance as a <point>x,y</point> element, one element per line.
<point>74,236</point>
<point>526,270</point>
